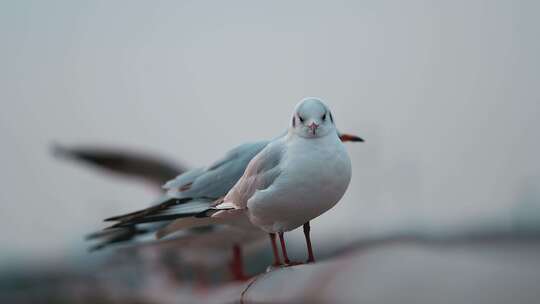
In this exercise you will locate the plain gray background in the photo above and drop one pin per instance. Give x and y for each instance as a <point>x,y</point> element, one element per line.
<point>445,93</point>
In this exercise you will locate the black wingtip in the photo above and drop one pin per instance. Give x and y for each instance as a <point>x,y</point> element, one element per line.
<point>111,236</point>
<point>207,213</point>
<point>106,232</point>
<point>125,218</point>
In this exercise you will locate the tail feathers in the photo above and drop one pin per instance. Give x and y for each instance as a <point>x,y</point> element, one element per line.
<point>155,218</point>
<point>165,212</point>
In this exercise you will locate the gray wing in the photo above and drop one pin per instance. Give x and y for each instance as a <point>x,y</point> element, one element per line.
<point>259,175</point>
<point>184,181</point>
<point>187,189</point>
<point>217,179</point>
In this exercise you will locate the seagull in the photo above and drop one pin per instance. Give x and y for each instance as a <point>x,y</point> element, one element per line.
<point>193,192</point>
<point>294,179</point>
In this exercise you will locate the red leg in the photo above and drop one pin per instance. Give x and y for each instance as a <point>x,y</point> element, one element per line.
<point>284,248</point>
<point>307,229</point>
<point>277,261</point>
<point>237,265</point>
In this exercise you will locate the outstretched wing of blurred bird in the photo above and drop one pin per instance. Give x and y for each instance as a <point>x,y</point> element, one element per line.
<point>150,168</point>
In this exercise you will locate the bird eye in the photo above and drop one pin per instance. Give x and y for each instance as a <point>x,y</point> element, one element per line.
<point>324,117</point>
<point>301,119</point>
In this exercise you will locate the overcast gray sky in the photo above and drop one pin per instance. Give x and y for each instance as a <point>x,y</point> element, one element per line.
<point>447,95</point>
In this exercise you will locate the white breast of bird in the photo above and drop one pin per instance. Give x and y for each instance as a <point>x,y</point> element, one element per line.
<point>315,173</point>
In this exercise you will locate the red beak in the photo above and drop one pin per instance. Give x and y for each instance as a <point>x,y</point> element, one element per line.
<point>349,137</point>
<point>313,127</point>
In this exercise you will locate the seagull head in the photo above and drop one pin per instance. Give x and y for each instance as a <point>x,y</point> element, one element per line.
<point>312,118</point>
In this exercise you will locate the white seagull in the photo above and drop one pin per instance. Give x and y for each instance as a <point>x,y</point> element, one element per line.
<point>193,191</point>
<point>295,178</point>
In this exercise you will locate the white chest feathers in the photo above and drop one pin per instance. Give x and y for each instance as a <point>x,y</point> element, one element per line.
<point>315,174</point>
